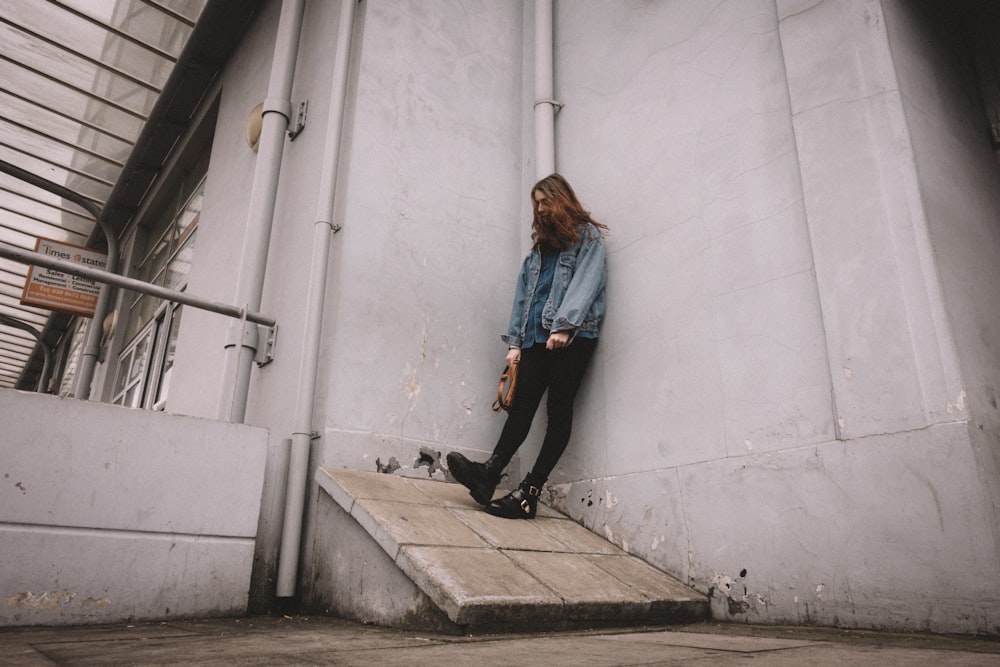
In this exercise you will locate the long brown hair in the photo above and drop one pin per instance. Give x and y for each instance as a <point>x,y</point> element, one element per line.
<point>559,228</point>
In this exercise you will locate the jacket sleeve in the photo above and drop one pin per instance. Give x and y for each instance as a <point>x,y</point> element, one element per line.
<point>589,279</point>
<point>515,325</point>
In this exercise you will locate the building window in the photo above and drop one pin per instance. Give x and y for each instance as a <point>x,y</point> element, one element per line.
<point>146,362</point>
<point>73,357</point>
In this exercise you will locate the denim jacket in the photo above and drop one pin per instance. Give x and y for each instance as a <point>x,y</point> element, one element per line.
<point>577,299</point>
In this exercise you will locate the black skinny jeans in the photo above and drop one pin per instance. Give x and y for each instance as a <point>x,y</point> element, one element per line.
<point>560,371</point>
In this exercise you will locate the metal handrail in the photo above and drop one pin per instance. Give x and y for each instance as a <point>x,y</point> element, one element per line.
<point>45,261</point>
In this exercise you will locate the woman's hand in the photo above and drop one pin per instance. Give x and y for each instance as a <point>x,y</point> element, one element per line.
<point>557,340</point>
<point>513,356</point>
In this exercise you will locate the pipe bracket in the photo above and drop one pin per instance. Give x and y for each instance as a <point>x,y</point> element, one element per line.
<point>556,106</point>
<point>278,106</point>
<point>264,354</point>
<point>299,123</point>
<point>242,333</point>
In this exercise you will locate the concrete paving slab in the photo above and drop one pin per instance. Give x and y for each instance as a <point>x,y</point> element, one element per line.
<point>393,524</point>
<point>508,534</point>
<point>712,641</point>
<point>256,641</point>
<point>435,488</point>
<point>577,539</point>
<point>550,652</point>
<point>669,600</point>
<point>452,495</point>
<point>479,586</point>
<point>546,512</point>
<point>644,577</point>
<point>261,641</point>
<point>345,486</point>
<point>588,592</point>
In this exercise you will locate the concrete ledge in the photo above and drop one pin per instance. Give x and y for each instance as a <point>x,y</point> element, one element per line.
<point>85,464</point>
<point>479,572</point>
<point>110,514</point>
<point>74,576</point>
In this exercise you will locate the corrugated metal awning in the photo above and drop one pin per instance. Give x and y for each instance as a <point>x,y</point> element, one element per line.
<point>93,96</point>
<point>78,81</point>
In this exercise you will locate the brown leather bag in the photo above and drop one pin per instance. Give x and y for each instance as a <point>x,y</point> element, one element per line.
<point>505,391</point>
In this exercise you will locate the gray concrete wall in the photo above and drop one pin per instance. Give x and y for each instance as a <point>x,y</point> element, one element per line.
<point>775,427</point>
<point>779,410</point>
<point>778,413</point>
<point>110,514</point>
<point>434,217</point>
<point>960,193</point>
<point>432,205</point>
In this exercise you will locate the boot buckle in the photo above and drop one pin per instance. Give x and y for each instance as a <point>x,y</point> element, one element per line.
<point>534,491</point>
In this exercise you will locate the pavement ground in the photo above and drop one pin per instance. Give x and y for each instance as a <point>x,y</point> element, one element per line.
<point>265,640</point>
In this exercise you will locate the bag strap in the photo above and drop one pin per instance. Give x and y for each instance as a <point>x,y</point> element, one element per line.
<point>505,390</point>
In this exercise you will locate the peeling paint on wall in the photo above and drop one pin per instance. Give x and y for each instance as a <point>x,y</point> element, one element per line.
<point>99,603</point>
<point>427,463</point>
<point>52,601</point>
<point>730,597</point>
<point>388,468</point>
<point>958,405</point>
<point>409,383</point>
<point>430,459</point>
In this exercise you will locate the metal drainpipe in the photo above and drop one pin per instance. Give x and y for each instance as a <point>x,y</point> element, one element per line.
<point>241,342</point>
<point>323,229</point>
<point>92,345</point>
<point>545,106</point>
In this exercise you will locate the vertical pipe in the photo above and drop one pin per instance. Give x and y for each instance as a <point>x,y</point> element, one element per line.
<point>95,330</point>
<point>545,112</point>
<point>323,229</point>
<point>241,343</point>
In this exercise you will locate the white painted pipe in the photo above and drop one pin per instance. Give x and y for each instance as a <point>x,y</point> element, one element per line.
<point>545,106</point>
<point>95,328</point>
<point>241,341</point>
<point>323,229</point>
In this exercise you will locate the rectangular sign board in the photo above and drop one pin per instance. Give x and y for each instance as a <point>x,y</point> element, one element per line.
<point>55,290</point>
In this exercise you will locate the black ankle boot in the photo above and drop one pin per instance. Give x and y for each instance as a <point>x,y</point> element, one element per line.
<point>480,479</point>
<point>522,503</point>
